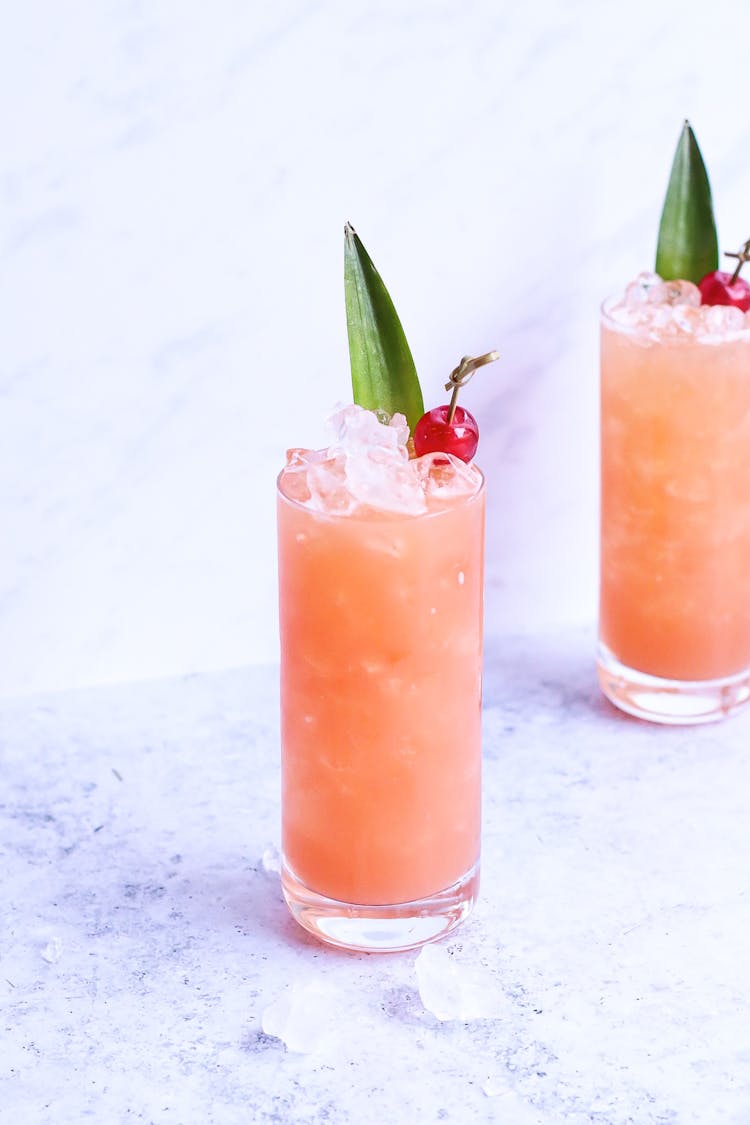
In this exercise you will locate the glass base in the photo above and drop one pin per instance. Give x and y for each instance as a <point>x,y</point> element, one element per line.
<point>670,701</point>
<point>380,929</point>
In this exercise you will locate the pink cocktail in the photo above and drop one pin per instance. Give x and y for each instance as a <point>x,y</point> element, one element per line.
<point>675,504</point>
<point>380,575</point>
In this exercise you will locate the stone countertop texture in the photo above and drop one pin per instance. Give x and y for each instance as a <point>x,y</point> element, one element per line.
<point>144,933</point>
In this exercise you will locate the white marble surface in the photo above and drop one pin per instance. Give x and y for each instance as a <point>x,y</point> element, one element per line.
<point>142,940</point>
<point>174,179</point>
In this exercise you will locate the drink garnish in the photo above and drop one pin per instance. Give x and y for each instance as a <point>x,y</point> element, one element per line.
<point>384,377</point>
<point>450,428</point>
<point>687,247</point>
<point>721,288</point>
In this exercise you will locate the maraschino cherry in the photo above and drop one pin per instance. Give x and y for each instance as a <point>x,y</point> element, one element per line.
<point>720,288</point>
<point>450,428</point>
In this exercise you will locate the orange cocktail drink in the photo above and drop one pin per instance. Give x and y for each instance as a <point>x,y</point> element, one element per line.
<point>381,641</point>
<point>675,505</point>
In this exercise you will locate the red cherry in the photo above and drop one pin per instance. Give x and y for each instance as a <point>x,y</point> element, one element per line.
<point>433,433</point>
<point>719,288</point>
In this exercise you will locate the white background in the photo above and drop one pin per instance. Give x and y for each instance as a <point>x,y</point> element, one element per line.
<point>174,181</point>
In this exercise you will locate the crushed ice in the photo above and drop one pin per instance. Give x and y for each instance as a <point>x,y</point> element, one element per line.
<point>663,309</point>
<point>495,1087</point>
<point>454,991</point>
<point>354,428</point>
<point>367,465</point>
<point>515,1108</point>
<point>52,951</point>
<point>270,861</point>
<point>303,1016</point>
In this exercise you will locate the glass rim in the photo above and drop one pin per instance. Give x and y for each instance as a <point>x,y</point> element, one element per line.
<point>379,515</point>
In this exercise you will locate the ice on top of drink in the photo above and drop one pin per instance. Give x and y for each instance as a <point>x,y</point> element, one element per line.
<point>386,454</point>
<point>367,469</point>
<point>657,310</point>
<point>687,296</point>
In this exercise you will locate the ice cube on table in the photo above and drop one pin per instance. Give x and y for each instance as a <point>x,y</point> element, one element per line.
<point>451,990</point>
<point>515,1109</point>
<point>495,1087</point>
<point>303,1016</point>
<point>270,861</point>
<point>52,951</point>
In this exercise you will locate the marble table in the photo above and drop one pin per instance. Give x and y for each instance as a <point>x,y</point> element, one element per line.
<point>144,935</point>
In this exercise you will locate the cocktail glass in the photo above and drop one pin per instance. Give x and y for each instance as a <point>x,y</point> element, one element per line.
<point>381,652</point>
<point>674,622</point>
